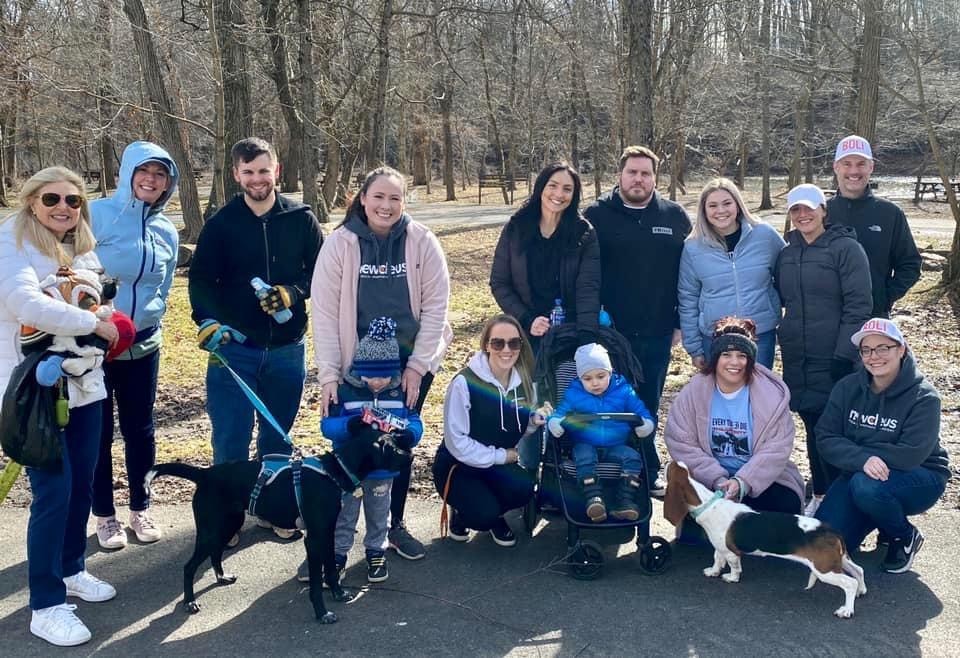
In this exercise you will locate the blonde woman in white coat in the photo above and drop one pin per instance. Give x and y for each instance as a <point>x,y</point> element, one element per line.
<point>51,230</point>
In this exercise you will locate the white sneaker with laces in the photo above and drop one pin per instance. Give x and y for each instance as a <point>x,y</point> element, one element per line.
<point>142,525</point>
<point>58,625</point>
<point>88,587</point>
<point>110,533</point>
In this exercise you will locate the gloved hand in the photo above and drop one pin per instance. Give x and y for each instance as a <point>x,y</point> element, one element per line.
<point>355,424</point>
<point>404,439</point>
<point>212,335</point>
<point>279,298</point>
<point>555,425</point>
<point>645,429</point>
<point>840,368</point>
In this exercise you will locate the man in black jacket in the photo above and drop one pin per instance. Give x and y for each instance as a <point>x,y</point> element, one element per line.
<point>881,226</point>
<point>641,238</point>
<point>257,234</point>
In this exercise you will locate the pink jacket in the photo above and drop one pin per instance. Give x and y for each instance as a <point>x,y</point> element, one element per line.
<point>333,301</point>
<point>687,434</point>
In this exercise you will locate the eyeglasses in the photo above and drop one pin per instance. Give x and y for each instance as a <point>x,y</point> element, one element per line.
<point>497,344</point>
<point>879,350</point>
<point>51,199</point>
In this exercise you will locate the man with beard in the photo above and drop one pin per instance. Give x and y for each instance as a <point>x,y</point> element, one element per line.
<point>259,233</point>
<point>641,238</point>
<point>881,226</point>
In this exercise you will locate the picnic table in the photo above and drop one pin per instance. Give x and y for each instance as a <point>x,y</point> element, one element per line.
<point>934,188</point>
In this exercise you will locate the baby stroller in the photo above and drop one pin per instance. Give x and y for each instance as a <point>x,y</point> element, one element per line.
<point>556,483</point>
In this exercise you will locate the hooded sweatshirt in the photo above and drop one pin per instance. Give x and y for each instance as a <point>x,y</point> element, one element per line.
<point>481,418</point>
<point>137,244</point>
<point>234,246</point>
<point>640,261</point>
<point>900,425</point>
<point>382,287</point>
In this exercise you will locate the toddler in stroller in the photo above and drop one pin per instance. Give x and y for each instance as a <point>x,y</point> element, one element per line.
<point>599,390</point>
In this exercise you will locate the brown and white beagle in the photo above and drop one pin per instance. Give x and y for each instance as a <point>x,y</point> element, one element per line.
<point>735,529</point>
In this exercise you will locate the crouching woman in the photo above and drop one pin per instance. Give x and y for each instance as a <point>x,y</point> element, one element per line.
<point>881,428</point>
<point>731,425</point>
<point>485,415</point>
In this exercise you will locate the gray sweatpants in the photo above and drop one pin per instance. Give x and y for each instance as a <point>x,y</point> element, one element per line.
<point>376,515</point>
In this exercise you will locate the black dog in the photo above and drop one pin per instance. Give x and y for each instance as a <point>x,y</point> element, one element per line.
<point>223,493</point>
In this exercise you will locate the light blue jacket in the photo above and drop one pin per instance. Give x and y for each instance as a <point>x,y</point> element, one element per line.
<point>713,285</point>
<point>136,243</point>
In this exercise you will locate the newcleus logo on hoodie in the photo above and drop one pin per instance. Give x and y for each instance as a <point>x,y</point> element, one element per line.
<point>872,421</point>
<point>383,271</point>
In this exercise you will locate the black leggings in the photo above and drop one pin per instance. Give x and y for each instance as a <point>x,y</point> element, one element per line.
<point>482,495</point>
<point>401,481</point>
<point>822,473</point>
<point>776,498</point>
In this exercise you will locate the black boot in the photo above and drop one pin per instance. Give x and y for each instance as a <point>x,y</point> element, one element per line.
<point>593,495</point>
<point>626,508</point>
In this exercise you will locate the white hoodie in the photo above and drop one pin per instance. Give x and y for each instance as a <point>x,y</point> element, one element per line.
<point>456,416</point>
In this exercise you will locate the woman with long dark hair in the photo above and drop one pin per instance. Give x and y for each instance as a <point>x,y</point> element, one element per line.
<point>548,252</point>
<point>379,262</point>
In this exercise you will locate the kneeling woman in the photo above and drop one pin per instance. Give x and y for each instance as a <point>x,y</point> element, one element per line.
<point>881,428</point>
<point>731,425</point>
<point>485,415</point>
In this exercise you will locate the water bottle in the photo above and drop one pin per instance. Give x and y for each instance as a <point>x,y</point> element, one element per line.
<point>262,289</point>
<point>557,316</point>
<point>604,319</point>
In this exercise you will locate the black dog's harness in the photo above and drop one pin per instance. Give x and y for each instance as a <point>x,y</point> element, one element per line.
<point>273,465</point>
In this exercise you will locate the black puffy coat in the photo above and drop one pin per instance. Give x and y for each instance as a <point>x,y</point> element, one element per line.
<point>825,291</point>
<point>579,273</point>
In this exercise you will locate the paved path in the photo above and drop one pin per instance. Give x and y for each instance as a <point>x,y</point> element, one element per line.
<point>480,599</point>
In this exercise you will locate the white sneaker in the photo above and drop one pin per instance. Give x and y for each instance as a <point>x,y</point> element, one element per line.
<point>812,506</point>
<point>110,533</point>
<point>58,625</point>
<point>88,587</point>
<point>142,525</point>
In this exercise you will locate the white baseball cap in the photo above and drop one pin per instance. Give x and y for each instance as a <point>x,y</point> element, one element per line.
<point>808,195</point>
<point>853,145</point>
<point>880,326</point>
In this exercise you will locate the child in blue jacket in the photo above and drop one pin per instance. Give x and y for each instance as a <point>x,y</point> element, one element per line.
<point>370,400</point>
<point>598,389</point>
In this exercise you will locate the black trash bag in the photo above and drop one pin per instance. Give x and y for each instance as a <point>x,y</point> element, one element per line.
<point>29,433</point>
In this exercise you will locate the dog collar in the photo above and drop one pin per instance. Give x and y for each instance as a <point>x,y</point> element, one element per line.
<point>703,507</point>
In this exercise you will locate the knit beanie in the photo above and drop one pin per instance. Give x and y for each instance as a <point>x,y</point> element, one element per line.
<point>592,356</point>
<point>732,343</point>
<point>378,354</point>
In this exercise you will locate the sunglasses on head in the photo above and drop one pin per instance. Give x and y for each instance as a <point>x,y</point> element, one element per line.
<point>497,344</point>
<point>51,199</point>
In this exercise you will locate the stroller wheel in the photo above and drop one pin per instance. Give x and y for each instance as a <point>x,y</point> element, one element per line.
<point>531,515</point>
<point>654,556</point>
<point>586,562</point>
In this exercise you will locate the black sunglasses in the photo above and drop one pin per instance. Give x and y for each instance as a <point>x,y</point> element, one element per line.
<point>497,344</point>
<point>51,199</point>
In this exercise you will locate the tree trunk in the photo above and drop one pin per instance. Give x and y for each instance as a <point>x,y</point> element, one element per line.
<point>108,170</point>
<point>308,91</point>
<point>171,130</point>
<point>637,18</point>
<point>378,111</point>
<point>238,115</point>
<point>446,103</point>
<point>763,74</point>
<point>492,118</point>
<point>332,173</point>
<point>869,88</point>
<point>280,72</point>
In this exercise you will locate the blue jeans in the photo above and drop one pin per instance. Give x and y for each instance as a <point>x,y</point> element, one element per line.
<point>57,529</point>
<point>766,347</point>
<point>654,356</point>
<point>276,375</point>
<point>855,504</point>
<point>133,384</point>
<point>585,456</point>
